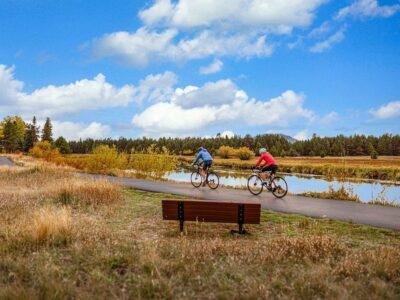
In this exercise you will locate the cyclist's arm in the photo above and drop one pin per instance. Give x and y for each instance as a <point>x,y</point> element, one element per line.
<point>197,159</point>
<point>259,161</point>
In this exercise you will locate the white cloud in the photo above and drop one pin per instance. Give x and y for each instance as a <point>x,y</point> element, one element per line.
<point>271,15</point>
<point>54,101</point>
<point>214,67</point>
<point>194,108</point>
<point>329,42</point>
<point>167,118</point>
<point>76,131</point>
<point>368,8</point>
<point>387,111</point>
<point>135,48</point>
<point>210,94</point>
<point>9,87</point>
<point>195,29</point>
<point>158,12</point>
<point>156,87</point>
<point>302,135</point>
<point>227,133</point>
<point>144,45</point>
<point>322,29</point>
<point>329,118</point>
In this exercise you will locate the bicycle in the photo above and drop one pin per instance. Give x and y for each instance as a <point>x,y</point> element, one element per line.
<point>275,184</point>
<point>212,179</point>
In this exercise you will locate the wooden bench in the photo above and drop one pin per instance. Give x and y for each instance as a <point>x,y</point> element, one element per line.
<point>211,211</point>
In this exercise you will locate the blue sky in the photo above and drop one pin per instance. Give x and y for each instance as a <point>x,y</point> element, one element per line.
<point>180,68</point>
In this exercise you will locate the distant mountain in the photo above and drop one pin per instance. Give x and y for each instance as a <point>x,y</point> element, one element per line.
<point>288,138</point>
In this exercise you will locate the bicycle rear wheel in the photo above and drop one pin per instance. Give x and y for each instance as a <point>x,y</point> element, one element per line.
<point>212,180</point>
<point>196,179</point>
<point>255,184</point>
<point>279,187</point>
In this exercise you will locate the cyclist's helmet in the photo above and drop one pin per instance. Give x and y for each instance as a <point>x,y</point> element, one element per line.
<point>262,150</point>
<point>200,149</point>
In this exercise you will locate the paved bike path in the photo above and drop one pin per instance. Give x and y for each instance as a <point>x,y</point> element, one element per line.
<point>4,161</point>
<point>375,215</point>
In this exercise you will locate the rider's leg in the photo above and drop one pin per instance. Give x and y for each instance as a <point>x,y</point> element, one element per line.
<point>263,176</point>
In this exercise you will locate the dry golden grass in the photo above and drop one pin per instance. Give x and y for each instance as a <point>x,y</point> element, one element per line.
<point>49,225</point>
<point>120,248</point>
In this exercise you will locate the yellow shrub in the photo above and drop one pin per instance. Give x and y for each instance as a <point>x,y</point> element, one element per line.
<point>226,151</point>
<point>244,153</point>
<point>44,150</point>
<point>105,159</point>
<point>153,163</point>
<point>187,152</point>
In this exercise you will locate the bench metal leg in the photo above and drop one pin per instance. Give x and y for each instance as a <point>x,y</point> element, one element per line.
<point>181,215</point>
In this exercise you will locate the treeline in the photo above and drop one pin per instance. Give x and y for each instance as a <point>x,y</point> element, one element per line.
<point>277,144</point>
<point>17,135</point>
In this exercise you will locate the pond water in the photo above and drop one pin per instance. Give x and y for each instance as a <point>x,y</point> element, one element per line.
<point>366,190</point>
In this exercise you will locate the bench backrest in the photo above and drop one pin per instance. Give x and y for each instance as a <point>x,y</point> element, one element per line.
<point>211,211</point>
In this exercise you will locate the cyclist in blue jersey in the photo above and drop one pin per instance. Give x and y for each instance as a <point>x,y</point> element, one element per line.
<point>207,162</point>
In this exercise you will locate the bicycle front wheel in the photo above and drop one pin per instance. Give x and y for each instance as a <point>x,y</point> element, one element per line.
<point>196,179</point>
<point>279,187</point>
<point>212,180</point>
<point>255,185</point>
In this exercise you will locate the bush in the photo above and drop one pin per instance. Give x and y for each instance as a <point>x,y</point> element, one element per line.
<point>187,152</point>
<point>244,153</point>
<point>226,151</point>
<point>44,150</point>
<point>152,163</point>
<point>62,145</point>
<point>105,159</point>
<point>374,154</point>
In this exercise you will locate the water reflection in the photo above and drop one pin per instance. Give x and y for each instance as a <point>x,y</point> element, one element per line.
<point>366,190</point>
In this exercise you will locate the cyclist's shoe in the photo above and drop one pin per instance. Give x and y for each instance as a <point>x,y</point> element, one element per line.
<point>204,183</point>
<point>269,187</point>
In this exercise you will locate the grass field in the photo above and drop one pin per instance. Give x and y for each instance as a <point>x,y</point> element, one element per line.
<point>67,237</point>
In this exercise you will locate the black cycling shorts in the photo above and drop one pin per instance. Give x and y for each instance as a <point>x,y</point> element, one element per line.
<point>271,168</point>
<point>207,164</point>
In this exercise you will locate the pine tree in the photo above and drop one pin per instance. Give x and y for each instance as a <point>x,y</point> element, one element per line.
<point>31,136</point>
<point>47,133</point>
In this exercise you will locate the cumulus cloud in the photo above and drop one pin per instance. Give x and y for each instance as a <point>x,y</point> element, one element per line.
<point>368,8</point>
<point>210,94</point>
<point>54,101</point>
<point>76,131</point>
<point>188,30</point>
<point>329,42</point>
<point>194,108</point>
<point>145,45</point>
<point>227,133</point>
<point>9,87</point>
<point>135,48</point>
<point>302,135</point>
<point>329,118</point>
<point>214,67</point>
<point>269,15</point>
<point>387,111</point>
<point>156,87</point>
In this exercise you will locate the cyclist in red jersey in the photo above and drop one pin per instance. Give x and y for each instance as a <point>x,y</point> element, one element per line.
<point>269,163</point>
